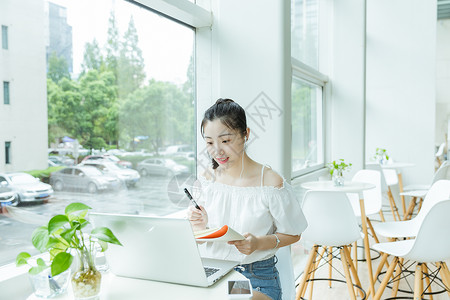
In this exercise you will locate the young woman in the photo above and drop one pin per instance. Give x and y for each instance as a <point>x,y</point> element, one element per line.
<point>247,196</point>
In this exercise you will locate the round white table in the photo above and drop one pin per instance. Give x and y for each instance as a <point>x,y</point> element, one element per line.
<point>120,288</point>
<point>350,187</point>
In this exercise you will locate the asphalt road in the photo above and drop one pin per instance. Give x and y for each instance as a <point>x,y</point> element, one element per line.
<point>151,196</point>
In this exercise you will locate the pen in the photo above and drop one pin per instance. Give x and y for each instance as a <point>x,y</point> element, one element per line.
<point>192,199</point>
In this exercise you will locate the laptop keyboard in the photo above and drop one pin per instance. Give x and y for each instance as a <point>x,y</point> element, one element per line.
<point>209,271</point>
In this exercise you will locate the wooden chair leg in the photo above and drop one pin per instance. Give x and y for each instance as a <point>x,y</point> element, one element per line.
<point>382,216</point>
<point>355,257</point>
<point>303,282</point>
<point>353,270</point>
<point>397,273</point>
<point>394,208</point>
<point>330,264</point>
<point>381,265</point>
<point>410,211</point>
<point>373,231</point>
<point>445,276</point>
<point>386,279</point>
<point>348,278</point>
<point>313,272</point>
<point>427,280</point>
<point>418,283</point>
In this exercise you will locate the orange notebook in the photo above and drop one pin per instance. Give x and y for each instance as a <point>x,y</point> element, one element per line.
<point>223,234</point>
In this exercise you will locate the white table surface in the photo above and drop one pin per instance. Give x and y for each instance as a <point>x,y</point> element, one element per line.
<point>121,288</point>
<point>394,165</point>
<point>328,185</point>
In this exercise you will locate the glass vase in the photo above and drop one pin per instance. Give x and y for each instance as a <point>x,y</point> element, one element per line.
<point>86,282</point>
<point>47,286</point>
<point>338,178</point>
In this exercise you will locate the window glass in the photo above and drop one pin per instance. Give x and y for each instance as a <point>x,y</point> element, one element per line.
<point>120,81</point>
<point>4,37</point>
<point>307,135</point>
<point>6,92</point>
<point>304,31</point>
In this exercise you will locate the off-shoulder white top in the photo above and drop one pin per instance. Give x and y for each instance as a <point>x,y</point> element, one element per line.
<point>259,210</point>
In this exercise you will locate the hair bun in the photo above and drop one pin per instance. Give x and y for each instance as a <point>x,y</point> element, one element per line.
<point>224,100</point>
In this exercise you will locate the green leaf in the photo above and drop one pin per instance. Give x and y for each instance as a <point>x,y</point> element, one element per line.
<point>103,244</point>
<point>68,234</point>
<point>74,207</point>
<point>40,238</point>
<point>22,258</point>
<point>106,235</point>
<point>61,262</point>
<point>37,270</point>
<point>40,262</point>
<point>57,222</point>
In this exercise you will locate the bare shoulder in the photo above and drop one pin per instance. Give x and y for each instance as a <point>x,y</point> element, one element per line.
<point>271,178</point>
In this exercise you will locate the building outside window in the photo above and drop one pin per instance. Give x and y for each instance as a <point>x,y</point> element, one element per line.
<point>4,37</point>
<point>7,152</point>
<point>6,92</point>
<point>124,92</point>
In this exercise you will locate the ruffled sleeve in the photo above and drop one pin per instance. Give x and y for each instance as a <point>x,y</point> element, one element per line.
<point>286,211</point>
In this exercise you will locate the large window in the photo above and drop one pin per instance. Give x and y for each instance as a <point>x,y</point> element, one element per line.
<point>120,94</point>
<point>307,131</point>
<point>4,37</point>
<point>6,92</point>
<point>308,86</point>
<point>305,31</point>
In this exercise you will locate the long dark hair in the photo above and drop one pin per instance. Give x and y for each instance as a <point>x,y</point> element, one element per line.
<point>230,114</point>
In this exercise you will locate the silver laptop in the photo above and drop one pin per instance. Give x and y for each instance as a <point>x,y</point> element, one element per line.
<point>157,248</point>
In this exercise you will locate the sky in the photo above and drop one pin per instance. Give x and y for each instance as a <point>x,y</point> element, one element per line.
<point>166,45</point>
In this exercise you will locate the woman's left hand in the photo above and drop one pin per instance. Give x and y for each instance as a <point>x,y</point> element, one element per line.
<point>247,246</point>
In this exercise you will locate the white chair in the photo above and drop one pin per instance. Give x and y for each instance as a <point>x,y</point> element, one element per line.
<point>439,154</point>
<point>420,191</point>
<point>431,245</point>
<point>331,224</point>
<point>438,192</point>
<point>286,271</point>
<point>389,178</point>
<point>372,198</point>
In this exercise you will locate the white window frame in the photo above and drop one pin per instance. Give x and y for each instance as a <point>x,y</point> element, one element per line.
<point>310,75</point>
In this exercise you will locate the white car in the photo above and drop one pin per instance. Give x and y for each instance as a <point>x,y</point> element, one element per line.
<point>27,187</point>
<point>129,176</point>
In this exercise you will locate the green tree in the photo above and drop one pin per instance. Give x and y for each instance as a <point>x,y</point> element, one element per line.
<point>112,46</point>
<point>92,58</point>
<point>158,111</point>
<point>131,73</point>
<point>57,68</point>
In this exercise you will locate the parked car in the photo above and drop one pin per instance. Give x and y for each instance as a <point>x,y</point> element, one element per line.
<point>7,195</point>
<point>108,157</point>
<point>83,178</point>
<point>27,187</point>
<point>129,176</point>
<point>177,150</point>
<point>161,166</point>
<point>61,160</point>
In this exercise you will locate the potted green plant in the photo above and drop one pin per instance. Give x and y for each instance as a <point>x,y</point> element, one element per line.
<point>337,168</point>
<point>61,238</point>
<point>381,156</point>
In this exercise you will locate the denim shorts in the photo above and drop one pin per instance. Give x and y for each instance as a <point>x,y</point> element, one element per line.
<point>264,276</point>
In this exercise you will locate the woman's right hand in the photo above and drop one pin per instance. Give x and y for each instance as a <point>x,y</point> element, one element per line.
<point>198,218</point>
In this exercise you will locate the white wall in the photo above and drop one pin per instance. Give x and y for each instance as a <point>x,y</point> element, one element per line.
<point>401,45</point>
<point>24,121</point>
<point>347,81</point>
<point>442,79</point>
<point>251,65</point>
